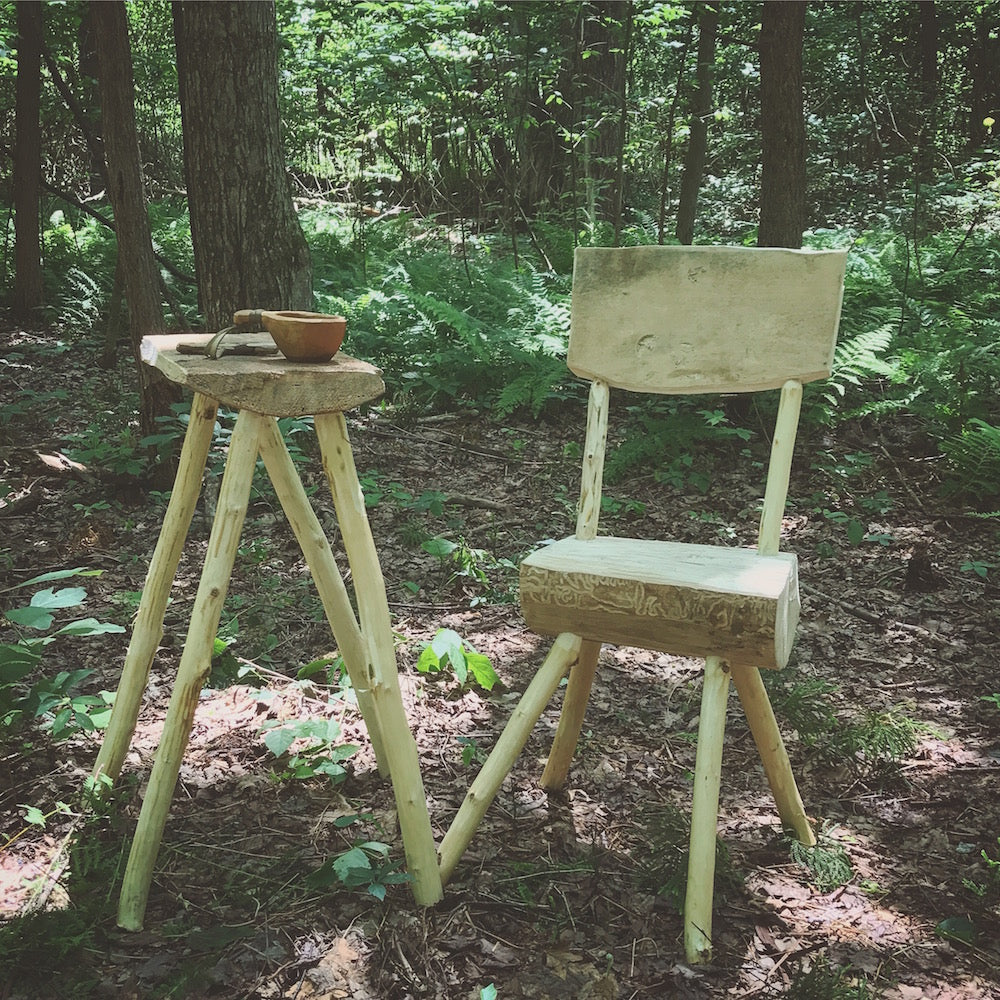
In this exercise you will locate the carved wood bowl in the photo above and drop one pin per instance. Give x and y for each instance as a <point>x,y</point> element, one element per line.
<point>300,336</point>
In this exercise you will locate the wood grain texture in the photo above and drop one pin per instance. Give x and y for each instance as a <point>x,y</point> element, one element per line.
<point>690,600</point>
<point>704,319</point>
<point>271,386</point>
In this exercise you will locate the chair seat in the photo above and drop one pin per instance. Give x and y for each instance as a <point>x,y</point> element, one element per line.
<point>689,600</point>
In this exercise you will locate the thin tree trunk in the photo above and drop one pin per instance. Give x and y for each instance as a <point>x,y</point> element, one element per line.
<point>694,161</point>
<point>928,40</point>
<point>984,71</point>
<point>140,276</point>
<point>601,94</point>
<point>28,291</point>
<point>783,134</point>
<point>249,248</point>
<point>618,199</point>
<point>668,139</point>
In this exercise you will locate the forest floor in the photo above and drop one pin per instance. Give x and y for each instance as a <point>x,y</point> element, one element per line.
<point>571,895</point>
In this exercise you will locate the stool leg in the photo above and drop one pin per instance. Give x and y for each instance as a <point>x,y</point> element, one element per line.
<point>705,812</point>
<point>581,679</point>
<point>774,757</point>
<point>376,625</point>
<point>148,628</point>
<point>196,662</point>
<point>329,583</point>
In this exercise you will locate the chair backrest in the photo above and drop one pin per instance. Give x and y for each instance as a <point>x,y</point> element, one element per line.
<point>698,320</point>
<point>704,319</point>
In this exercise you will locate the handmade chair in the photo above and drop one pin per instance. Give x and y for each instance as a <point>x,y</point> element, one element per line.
<point>688,320</point>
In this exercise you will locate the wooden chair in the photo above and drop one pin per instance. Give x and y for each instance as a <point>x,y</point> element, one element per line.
<point>688,320</point>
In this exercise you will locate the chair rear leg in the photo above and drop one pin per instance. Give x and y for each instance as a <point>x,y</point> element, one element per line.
<point>773,755</point>
<point>581,679</point>
<point>705,812</point>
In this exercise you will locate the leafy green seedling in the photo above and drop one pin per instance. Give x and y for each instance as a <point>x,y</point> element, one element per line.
<point>978,566</point>
<point>448,648</point>
<point>365,865</point>
<point>317,753</point>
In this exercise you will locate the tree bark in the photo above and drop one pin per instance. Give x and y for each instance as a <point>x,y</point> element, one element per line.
<point>28,290</point>
<point>928,42</point>
<point>984,71</point>
<point>601,86</point>
<point>783,134</point>
<point>249,249</point>
<point>701,110</point>
<point>140,276</point>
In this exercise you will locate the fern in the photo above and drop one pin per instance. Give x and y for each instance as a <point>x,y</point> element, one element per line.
<point>859,359</point>
<point>828,864</point>
<point>974,456</point>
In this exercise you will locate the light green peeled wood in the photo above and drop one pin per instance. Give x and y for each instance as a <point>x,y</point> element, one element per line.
<point>326,576</point>
<point>704,812</point>
<point>383,680</point>
<point>195,666</point>
<point>148,628</point>
<point>481,793</point>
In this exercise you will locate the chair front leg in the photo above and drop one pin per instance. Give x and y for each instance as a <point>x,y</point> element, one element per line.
<point>705,812</point>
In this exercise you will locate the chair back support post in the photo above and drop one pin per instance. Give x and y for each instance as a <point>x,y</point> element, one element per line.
<point>779,468</point>
<point>595,444</point>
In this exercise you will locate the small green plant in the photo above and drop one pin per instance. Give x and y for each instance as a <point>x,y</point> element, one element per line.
<point>663,865</point>
<point>35,818</point>
<point>488,993</point>
<point>827,862</point>
<point>472,752</point>
<point>50,699</point>
<point>978,566</point>
<point>316,753</point>
<point>472,566</point>
<point>825,982</point>
<point>449,649</point>
<point>366,865</point>
<point>877,741</point>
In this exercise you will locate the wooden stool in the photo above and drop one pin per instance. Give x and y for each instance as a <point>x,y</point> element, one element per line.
<point>262,389</point>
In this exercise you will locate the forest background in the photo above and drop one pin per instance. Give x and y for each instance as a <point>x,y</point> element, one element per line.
<point>426,169</point>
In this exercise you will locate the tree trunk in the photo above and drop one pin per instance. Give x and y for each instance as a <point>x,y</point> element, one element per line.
<point>140,275</point>
<point>249,249</point>
<point>783,134</point>
<point>984,71</point>
<point>928,42</point>
<point>701,110</point>
<point>601,85</point>
<point>28,292</point>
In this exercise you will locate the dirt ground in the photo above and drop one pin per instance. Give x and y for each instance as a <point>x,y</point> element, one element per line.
<point>571,895</point>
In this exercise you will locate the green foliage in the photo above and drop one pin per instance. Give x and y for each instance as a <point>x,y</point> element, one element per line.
<point>874,742</point>
<point>825,982</point>
<point>663,435</point>
<point>316,750</point>
<point>366,865</point>
<point>827,862</point>
<point>974,455</point>
<point>449,649</point>
<point>663,862</point>
<point>24,695</point>
<point>473,568</point>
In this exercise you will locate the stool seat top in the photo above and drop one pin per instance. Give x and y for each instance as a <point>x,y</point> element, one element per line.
<point>270,385</point>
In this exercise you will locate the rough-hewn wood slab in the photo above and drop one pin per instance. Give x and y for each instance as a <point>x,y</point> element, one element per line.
<point>704,319</point>
<point>270,385</point>
<point>691,600</point>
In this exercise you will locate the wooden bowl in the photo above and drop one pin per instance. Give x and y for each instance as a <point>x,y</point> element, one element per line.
<point>301,336</point>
